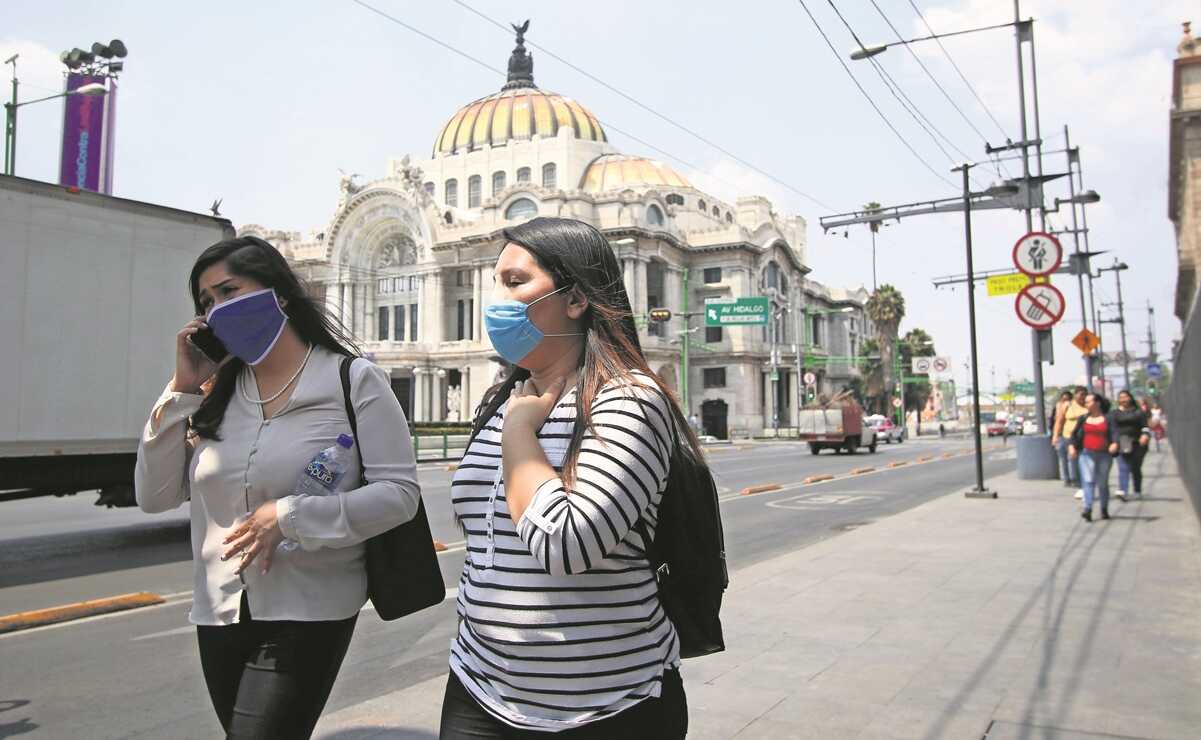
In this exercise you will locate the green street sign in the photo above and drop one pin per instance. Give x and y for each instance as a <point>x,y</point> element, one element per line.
<point>775,374</point>
<point>1023,388</point>
<point>735,311</point>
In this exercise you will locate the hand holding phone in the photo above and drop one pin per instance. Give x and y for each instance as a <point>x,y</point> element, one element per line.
<point>197,354</point>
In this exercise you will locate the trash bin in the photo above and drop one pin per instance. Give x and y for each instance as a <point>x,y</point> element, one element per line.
<point>1036,458</point>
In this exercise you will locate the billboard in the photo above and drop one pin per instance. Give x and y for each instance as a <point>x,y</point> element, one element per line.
<point>87,149</point>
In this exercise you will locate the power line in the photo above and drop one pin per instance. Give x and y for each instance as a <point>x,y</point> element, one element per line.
<point>962,76</point>
<point>605,123</point>
<point>910,107</point>
<point>871,102</point>
<point>933,79</point>
<point>649,109</point>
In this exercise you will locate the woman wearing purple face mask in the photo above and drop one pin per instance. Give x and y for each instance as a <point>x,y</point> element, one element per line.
<point>273,623</point>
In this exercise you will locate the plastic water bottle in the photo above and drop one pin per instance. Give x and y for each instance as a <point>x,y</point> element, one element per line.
<point>322,475</point>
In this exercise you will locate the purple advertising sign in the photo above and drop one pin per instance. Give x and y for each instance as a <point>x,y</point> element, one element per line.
<point>86,161</point>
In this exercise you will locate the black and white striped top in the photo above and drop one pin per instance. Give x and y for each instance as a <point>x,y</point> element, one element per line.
<point>561,619</point>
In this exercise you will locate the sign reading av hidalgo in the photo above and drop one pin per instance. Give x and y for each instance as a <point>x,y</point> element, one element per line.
<point>735,311</point>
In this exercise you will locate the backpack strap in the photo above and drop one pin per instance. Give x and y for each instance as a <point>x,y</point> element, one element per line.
<point>344,371</point>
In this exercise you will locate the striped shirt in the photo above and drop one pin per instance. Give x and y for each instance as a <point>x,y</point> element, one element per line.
<point>561,622</point>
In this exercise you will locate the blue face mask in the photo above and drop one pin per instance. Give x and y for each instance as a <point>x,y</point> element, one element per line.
<point>249,325</point>
<point>512,333</point>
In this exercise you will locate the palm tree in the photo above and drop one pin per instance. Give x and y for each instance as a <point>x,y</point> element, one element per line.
<point>886,308</point>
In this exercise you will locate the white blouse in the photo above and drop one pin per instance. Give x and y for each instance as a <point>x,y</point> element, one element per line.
<point>258,460</point>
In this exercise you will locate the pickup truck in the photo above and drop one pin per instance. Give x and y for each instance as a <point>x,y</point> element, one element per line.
<point>840,428</point>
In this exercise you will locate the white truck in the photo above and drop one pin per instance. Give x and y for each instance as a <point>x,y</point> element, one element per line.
<point>93,290</point>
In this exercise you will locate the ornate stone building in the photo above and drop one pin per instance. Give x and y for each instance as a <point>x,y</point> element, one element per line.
<point>406,261</point>
<point>1184,162</point>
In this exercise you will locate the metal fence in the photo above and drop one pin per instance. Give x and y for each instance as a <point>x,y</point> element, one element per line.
<point>1183,406</point>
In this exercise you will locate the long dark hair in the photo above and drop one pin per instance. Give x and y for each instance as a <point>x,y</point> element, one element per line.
<point>251,257</point>
<point>578,256</point>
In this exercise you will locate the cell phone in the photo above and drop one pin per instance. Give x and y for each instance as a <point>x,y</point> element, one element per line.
<point>209,345</point>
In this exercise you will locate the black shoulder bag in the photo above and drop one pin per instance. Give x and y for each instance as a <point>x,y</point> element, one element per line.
<point>402,567</point>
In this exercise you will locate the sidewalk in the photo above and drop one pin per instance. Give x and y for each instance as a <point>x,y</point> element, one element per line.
<point>961,618</point>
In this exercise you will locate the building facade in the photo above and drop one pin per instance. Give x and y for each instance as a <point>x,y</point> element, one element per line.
<point>406,261</point>
<point>1184,168</point>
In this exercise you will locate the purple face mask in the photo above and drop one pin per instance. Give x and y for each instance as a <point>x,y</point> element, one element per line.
<point>249,325</point>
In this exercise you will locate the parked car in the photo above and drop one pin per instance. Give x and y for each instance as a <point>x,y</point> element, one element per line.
<point>887,431</point>
<point>1014,426</point>
<point>996,428</point>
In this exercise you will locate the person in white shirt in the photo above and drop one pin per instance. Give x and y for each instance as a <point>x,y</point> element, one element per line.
<point>273,622</point>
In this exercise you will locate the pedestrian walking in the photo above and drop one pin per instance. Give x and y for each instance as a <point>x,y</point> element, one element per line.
<point>561,624</point>
<point>1134,434</point>
<point>1068,411</point>
<point>279,577</point>
<point>1094,443</point>
<point>1158,424</point>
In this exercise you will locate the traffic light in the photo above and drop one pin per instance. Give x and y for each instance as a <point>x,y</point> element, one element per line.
<point>660,314</point>
<point>810,394</point>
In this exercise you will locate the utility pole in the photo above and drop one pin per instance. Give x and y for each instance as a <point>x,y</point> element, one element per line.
<point>1117,269</point>
<point>1088,359</point>
<point>979,491</point>
<point>684,349</point>
<point>10,124</point>
<point>1152,356</point>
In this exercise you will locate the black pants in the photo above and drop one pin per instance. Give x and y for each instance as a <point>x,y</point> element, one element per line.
<point>664,718</point>
<point>1134,461</point>
<point>271,679</point>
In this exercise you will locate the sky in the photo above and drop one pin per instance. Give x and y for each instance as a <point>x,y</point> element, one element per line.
<point>260,104</point>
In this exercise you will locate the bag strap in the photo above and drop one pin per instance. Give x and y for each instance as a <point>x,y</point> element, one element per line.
<point>344,371</point>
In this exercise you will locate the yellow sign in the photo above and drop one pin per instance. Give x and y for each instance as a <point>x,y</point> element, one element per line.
<point>1010,284</point>
<point>1086,341</point>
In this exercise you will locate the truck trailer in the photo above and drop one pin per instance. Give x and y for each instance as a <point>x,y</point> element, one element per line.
<point>94,289</point>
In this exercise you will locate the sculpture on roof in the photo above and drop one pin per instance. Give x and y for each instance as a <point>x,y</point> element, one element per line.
<point>521,62</point>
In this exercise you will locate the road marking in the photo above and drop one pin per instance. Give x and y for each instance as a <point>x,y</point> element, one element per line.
<point>750,490</point>
<point>805,501</point>
<point>861,471</point>
<point>899,463</point>
<point>78,610</point>
<point>925,458</point>
<point>186,629</point>
<point>818,478</point>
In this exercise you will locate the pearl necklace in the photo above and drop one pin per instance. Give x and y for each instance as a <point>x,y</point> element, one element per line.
<point>295,375</point>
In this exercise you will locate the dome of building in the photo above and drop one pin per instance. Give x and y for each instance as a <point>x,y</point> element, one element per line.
<point>516,113</point>
<point>616,171</point>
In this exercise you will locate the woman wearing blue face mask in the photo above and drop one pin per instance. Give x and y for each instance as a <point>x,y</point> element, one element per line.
<point>273,623</point>
<point>561,626</point>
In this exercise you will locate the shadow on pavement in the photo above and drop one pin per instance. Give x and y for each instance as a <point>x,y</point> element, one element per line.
<point>54,556</point>
<point>379,733</point>
<point>20,726</point>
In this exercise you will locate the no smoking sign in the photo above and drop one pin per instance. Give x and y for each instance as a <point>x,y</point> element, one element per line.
<point>1039,306</point>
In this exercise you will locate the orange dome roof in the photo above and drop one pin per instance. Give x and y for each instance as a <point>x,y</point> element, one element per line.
<point>515,115</point>
<point>615,171</point>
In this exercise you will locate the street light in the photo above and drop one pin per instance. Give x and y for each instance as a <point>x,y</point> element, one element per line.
<point>979,491</point>
<point>871,50</point>
<point>1088,197</point>
<point>90,90</point>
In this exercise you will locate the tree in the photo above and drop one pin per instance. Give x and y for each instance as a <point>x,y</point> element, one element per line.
<point>870,384</point>
<point>886,308</point>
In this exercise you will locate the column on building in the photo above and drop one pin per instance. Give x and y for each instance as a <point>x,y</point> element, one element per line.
<point>466,402</point>
<point>368,289</point>
<point>432,311</point>
<point>441,386</point>
<point>640,306</point>
<point>673,284</point>
<point>346,312</point>
<point>477,292</point>
<point>627,272</point>
<point>332,300</point>
<point>419,377</point>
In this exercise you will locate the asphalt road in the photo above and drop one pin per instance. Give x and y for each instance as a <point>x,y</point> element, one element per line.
<point>135,674</point>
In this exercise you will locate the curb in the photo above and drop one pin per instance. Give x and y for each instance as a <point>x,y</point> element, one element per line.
<point>861,471</point>
<point>68,612</point>
<point>925,458</point>
<point>818,478</point>
<point>898,464</point>
<point>751,490</point>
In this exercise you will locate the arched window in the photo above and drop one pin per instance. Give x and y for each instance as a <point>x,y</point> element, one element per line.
<point>716,213</point>
<point>729,217</point>
<point>429,189</point>
<point>548,175</point>
<point>521,209</point>
<point>701,206</point>
<point>451,193</point>
<point>474,186</point>
<point>654,216</point>
<point>771,276</point>
<point>523,174</point>
<point>498,182</point>
<point>675,199</point>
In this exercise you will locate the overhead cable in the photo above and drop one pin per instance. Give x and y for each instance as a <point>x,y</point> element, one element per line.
<point>870,101</point>
<point>649,109</point>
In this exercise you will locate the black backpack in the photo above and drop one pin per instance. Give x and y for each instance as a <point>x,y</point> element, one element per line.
<point>688,553</point>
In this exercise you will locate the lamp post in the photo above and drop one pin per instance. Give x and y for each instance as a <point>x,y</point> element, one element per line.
<point>91,90</point>
<point>1117,269</point>
<point>1024,32</point>
<point>1083,198</point>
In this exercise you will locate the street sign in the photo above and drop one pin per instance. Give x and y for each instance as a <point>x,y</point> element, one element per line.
<point>922,365</point>
<point>735,311</point>
<point>896,403</point>
<point>1007,284</point>
<point>810,378</point>
<point>1086,341</point>
<point>1039,306</point>
<point>1023,388</point>
<point>775,374</point>
<point>941,364</point>
<point>1154,370</point>
<point>1037,254</point>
